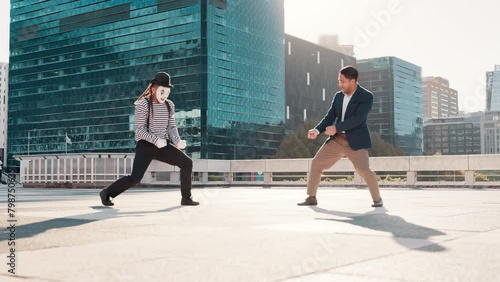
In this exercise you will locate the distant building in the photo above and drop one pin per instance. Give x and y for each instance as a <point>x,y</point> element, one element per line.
<point>331,41</point>
<point>474,133</point>
<point>453,135</point>
<point>493,89</point>
<point>4,101</point>
<point>439,99</point>
<point>397,111</point>
<point>311,79</point>
<point>490,132</point>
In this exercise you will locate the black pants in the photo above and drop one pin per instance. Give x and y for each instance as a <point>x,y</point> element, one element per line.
<point>145,152</point>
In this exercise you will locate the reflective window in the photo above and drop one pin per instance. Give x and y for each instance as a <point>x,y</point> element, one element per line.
<point>397,89</point>
<point>79,68</point>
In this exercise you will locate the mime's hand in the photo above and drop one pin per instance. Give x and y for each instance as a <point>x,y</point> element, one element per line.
<point>182,144</point>
<point>160,143</point>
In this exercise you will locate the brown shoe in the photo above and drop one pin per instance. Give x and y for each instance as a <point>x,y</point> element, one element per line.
<point>310,201</point>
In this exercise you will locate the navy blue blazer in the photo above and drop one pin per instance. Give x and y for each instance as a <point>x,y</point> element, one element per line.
<point>354,124</point>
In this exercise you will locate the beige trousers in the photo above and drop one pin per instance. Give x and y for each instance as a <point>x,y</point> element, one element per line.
<point>333,151</point>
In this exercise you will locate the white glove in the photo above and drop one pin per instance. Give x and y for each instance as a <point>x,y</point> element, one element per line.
<point>181,145</point>
<point>160,143</point>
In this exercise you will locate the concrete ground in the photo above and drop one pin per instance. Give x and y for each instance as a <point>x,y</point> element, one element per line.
<point>252,234</point>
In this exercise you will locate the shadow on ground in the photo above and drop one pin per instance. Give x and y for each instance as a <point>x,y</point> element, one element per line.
<point>33,229</point>
<point>400,229</point>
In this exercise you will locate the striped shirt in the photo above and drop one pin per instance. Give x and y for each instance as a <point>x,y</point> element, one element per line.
<point>160,126</point>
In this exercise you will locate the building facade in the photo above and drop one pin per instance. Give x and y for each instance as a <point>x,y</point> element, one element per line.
<point>439,99</point>
<point>311,79</point>
<point>397,112</point>
<point>490,132</point>
<point>4,102</point>
<point>493,89</point>
<point>78,69</point>
<point>453,136</point>
<point>473,133</point>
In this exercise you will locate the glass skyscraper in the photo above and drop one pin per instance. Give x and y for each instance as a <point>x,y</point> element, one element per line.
<point>493,89</point>
<point>4,103</point>
<point>76,67</point>
<point>397,112</point>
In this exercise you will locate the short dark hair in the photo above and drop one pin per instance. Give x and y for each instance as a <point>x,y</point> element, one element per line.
<point>349,72</point>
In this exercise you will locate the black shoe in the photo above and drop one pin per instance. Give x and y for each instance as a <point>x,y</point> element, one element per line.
<point>378,204</point>
<point>188,202</point>
<point>310,201</point>
<point>105,198</point>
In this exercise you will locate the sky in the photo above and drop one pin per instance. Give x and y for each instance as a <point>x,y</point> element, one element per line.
<point>456,40</point>
<point>453,39</point>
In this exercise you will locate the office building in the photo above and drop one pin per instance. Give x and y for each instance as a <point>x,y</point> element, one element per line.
<point>493,89</point>
<point>439,99</point>
<point>397,111</point>
<point>311,79</point>
<point>490,132</point>
<point>77,70</point>
<point>453,136</point>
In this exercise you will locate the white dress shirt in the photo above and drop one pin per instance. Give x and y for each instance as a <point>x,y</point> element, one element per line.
<point>347,98</point>
<point>345,103</point>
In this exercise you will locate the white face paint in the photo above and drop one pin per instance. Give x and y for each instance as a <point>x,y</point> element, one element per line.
<point>162,93</point>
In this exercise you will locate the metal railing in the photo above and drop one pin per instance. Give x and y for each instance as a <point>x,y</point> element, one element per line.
<point>96,170</point>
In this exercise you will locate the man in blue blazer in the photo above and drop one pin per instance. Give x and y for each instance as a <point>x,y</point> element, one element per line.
<point>345,122</point>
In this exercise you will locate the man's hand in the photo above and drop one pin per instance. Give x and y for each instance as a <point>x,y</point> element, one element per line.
<point>160,143</point>
<point>331,130</point>
<point>312,134</point>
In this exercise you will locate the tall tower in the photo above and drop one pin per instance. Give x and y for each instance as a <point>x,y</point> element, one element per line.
<point>493,89</point>
<point>397,113</point>
<point>78,69</point>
